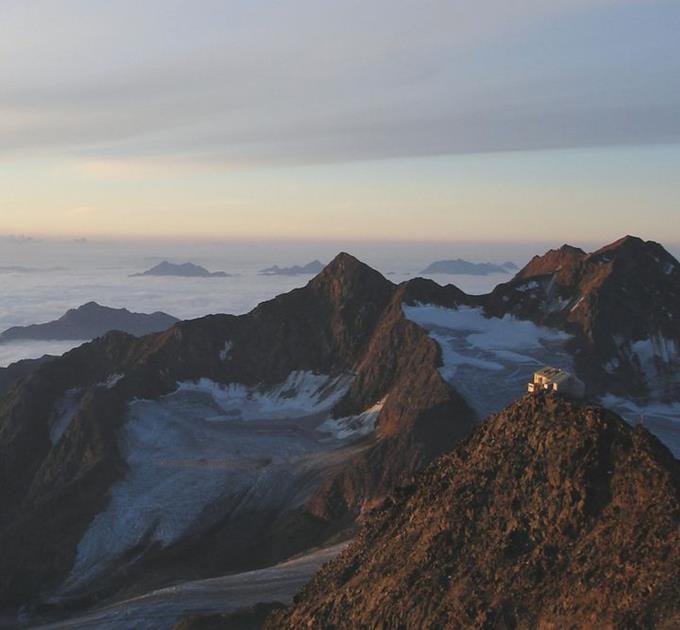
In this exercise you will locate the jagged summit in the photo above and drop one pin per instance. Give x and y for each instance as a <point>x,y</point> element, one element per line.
<point>352,283</point>
<point>552,514</point>
<point>564,259</point>
<point>348,269</point>
<point>626,242</point>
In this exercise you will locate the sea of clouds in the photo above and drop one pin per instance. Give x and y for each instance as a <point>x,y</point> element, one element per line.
<point>41,280</point>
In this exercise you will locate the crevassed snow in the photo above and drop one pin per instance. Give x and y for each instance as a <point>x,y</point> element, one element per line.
<point>209,450</point>
<point>62,414</point>
<point>489,360</point>
<point>301,394</point>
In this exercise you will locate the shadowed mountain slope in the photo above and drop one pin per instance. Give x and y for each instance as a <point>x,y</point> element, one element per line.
<point>63,457</point>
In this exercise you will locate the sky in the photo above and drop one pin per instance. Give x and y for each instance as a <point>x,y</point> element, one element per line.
<point>550,120</point>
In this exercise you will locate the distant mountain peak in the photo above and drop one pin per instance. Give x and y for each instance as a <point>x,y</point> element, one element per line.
<point>348,271</point>
<point>313,268</point>
<point>187,269</point>
<point>91,320</point>
<point>627,242</point>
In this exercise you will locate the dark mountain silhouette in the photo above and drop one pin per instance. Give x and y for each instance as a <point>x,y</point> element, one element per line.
<point>313,267</point>
<point>89,321</point>
<point>20,369</point>
<point>550,515</point>
<point>185,270</point>
<point>460,266</point>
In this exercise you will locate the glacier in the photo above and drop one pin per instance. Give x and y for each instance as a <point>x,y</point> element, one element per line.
<point>489,360</point>
<point>208,450</point>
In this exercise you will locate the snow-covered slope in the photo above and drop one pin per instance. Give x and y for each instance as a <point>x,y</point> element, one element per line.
<point>489,360</point>
<point>209,450</point>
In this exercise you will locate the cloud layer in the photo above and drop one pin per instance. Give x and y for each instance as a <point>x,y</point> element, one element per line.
<point>307,81</point>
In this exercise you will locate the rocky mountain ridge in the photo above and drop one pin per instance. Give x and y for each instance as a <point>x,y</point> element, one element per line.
<point>552,514</point>
<point>346,320</point>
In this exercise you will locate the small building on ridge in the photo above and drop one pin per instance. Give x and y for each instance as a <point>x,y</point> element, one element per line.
<point>552,379</point>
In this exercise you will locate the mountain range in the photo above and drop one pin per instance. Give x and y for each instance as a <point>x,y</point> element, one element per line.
<point>89,321</point>
<point>313,267</point>
<point>228,443</point>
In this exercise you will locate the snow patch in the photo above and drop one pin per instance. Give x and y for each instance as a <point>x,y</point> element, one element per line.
<point>489,360</point>
<point>353,426</point>
<point>301,394</point>
<point>578,303</point>
<point>529,286</point>
<point>209,450</point>
<point>111,381</point>
<point>226,350</point>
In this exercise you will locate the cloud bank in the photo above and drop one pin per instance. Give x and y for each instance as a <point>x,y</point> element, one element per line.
<point>311,81</point>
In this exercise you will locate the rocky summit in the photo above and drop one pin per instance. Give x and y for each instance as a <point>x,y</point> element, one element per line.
<point>551,515</point>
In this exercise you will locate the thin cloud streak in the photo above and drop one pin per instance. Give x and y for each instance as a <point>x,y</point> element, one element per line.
<point>315,82</point>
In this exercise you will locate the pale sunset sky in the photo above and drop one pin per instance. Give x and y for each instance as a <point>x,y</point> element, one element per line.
<point>384,119</point>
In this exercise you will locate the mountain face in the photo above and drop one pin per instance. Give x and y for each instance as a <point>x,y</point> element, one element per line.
<point>460,266</point>
<point>313,267</point>
<point>622,303</point>
<point>89,321</point>
<point>550,515</point>
<point>184,270</point>
<point>20,369</point>
<point>220,444</point>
